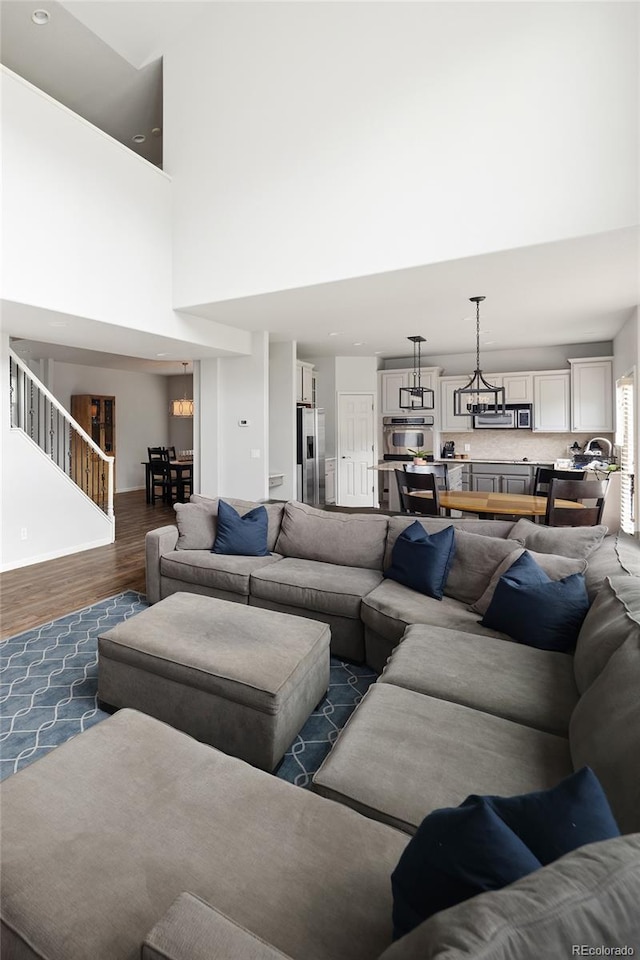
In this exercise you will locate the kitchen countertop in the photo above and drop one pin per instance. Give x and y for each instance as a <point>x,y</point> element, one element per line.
<point>459,462</point>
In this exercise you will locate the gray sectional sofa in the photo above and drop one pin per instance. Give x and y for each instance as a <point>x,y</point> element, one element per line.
<point>135,840</point>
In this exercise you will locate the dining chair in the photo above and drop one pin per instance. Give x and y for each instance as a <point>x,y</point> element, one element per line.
<point>427,482</point>
<point>591,493</point>
<point>171,452</point>
<point>544,476</point>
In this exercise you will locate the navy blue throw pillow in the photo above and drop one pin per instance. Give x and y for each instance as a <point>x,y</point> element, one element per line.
<point>422,561</point>
<point>456,853</point>
<point>531,608</point>
<point>241,536</point>
<point>489,842</point>
<point>556,821</point>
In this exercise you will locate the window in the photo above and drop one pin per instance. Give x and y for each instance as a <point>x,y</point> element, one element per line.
<point>625,433</point>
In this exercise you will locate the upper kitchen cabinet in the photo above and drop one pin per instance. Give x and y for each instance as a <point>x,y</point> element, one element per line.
<point>551,402</point>
<point>391,381</point>
<point>592,395</point>
<point>518,387</point>
<point>448,422</point>
<point>304,382</point>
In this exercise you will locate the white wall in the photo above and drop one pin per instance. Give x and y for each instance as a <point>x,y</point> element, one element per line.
<point>142,414</point>
<point>38,497</point>
<point>86,233</point>
<point>230,390</point>
<point>282,417</point>
<point>368,137</point>
<point>626,346</point>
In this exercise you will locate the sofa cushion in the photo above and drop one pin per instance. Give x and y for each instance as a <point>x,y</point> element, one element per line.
<point>554,566</point>
<point>456,853</point>
<point>324,587</point>
<point>241,536</point>
<point>214,570</point>
<point>487,528</point>
<point>604,732</point>
<point>402,755</point>
<point>617,555</point>
<point>589,896</point>
<point>532,687</point>
<point>209,505</point>
<point>532,609</point>
<point>475,559</point>
<point>132,813</point>
<point>564,541</point>
<point>196,526</point>
<point>613,618</point>
<point>422,561</point>
<point>346,539</point>
<point>391,607</point>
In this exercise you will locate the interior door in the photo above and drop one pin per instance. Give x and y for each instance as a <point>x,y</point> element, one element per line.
<point>356,481</point>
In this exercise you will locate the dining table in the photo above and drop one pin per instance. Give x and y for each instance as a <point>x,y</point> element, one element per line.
<point>181,468</point>
<point>491,505</point>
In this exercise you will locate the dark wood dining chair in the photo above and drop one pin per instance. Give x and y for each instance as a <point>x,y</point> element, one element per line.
<point>591,493</point>
<point>427,482</point>
<point>162,484</point>
<point>171,452</point>
<point>544,476</point>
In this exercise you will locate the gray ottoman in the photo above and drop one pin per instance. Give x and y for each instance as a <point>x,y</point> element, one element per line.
<point>239,678</point>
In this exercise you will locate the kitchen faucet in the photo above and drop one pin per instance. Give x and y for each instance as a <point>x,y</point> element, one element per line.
<point>596,441</point>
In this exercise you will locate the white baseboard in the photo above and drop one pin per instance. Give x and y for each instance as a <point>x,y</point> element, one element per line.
<point>130,489</point>
<point>54,554</point>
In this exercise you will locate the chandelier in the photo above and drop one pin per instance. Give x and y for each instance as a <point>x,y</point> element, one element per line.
<point>478,396</point>
<point>416,397</point>
<point>184,407</point>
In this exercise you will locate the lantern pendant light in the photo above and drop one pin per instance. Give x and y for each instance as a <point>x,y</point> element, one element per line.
<point>478,396</point>
<point>184,407</point>
<point>416,397</point>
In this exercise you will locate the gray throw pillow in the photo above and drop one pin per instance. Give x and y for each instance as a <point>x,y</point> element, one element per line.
<point>197,523</point>
<point>563,541</point>
<point>475,560</point>
<point>555,567</point>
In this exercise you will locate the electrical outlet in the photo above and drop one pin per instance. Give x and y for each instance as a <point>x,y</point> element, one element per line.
<point>23,533</point>
<point>467,448</point>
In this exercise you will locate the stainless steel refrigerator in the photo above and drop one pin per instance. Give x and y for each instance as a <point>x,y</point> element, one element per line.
<point>310,456</point>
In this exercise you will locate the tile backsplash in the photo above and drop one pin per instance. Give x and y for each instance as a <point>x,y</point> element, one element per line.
<point>517,444</point>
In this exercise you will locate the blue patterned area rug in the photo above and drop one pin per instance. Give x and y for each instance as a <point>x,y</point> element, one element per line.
<point>49,682</point>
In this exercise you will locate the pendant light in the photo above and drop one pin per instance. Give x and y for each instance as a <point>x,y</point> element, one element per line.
<point>478,396</point>
<point>416,397</point>
<point>184,407</point>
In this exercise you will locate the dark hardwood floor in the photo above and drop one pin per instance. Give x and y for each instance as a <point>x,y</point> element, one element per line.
<point>32,595</point>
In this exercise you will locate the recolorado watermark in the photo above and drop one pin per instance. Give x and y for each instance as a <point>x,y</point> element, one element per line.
<point>586,950</point>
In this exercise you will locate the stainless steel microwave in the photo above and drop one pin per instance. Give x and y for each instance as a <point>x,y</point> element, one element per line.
<point>516,416</point>
<point>402,434</point>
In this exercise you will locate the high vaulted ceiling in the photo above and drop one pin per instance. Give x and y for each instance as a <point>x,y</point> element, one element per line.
<point>103,61</point>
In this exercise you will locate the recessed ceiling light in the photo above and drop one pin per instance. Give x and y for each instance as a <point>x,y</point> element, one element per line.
<point>334,334</point>
<point>487,343</point>
<point>162,354</point>
<point>40,17</point>
<point>376,352</point>
<point>139,138</point>
<point>359,343</point>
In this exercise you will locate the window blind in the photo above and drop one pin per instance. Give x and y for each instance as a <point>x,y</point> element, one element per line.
<point>625,393</point>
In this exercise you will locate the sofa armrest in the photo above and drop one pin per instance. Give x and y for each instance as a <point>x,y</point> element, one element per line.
<point>193,930</point>
<point>157,542</point>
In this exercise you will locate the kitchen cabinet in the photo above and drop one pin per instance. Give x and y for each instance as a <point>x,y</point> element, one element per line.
<point>592,395</point>
<point>551,402</point>
<point>304,382</point>
<point>449,423</point>
<point>391,381</point>
<point>501,478</point>
<point>518,387</point>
